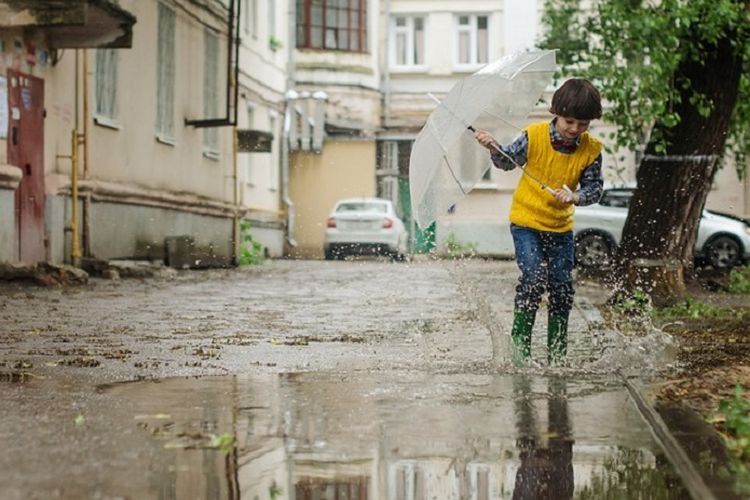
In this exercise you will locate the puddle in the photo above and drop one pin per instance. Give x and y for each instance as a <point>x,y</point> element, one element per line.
<point>403,436</point>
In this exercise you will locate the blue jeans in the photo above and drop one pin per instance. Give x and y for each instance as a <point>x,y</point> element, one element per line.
<point>546,261</point>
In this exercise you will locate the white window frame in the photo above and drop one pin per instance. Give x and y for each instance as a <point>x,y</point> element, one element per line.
<point>105,88</point>
<point>473,31</point>
<point>409,32</point>
<point>210,92</point>
<point>254,18</point>
<point>165,74</point>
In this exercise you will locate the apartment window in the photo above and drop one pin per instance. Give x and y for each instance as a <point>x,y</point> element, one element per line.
<point>407,41</point>
<point>105,86</point>
<point>332,24</point>
<point>165,69</point>
<point>472,41</point>
<point>210,91</point>
<point>272,18</point>
<point>251,17</point>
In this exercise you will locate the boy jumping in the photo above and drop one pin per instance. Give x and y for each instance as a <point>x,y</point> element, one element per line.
<point>559,154</point>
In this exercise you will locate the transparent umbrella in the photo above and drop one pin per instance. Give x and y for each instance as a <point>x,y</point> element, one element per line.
<point>446,161</point>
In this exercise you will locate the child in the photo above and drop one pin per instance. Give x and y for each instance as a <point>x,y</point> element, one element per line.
<point>558,153</point>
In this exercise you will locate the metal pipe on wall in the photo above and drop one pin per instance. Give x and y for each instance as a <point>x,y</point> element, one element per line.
<point>75,251</point>
<point>85,142</point>
<point>236,200</point>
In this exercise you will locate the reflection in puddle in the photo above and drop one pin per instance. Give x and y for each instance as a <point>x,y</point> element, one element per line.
<point>350,436</point>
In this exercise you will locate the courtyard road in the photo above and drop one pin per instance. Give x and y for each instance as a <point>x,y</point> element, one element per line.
<point>366,364</point>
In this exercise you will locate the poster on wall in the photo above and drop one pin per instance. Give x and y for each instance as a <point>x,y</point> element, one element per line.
<point>3,107</point>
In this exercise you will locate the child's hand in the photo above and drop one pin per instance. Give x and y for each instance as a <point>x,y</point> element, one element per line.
<point>485,139</point>
<point>566,196</point>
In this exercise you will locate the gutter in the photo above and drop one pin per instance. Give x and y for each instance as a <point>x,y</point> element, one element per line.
<point>289,97</point>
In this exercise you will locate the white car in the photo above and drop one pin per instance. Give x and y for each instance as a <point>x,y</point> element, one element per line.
<point>723,241</point>
<point>365,226</point>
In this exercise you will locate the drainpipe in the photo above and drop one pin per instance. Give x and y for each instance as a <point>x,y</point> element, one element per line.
<point>291,95</point>
<point>87,199</point>
<point>386,75</point>
<point>236,198</point>
<point>75,251</point>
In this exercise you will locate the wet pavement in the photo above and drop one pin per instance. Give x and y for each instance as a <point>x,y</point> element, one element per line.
<point>303,379</point>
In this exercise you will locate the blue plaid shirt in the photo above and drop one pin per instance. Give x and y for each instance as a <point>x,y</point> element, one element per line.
<point>591,181</point>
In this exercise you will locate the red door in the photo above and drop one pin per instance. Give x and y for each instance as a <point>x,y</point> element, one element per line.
<point>26,151</point>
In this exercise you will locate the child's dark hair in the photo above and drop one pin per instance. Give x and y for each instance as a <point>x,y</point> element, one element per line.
<point>577,98</point>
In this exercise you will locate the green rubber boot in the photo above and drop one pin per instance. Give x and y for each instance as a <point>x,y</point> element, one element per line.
<point>523,323</point>
<point>557,339</point>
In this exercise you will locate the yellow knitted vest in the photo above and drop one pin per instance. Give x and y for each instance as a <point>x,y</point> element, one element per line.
<point>533,206</point>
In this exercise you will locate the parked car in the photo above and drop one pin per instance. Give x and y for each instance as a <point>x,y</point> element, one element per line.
<point>365,226</point>
<point>723,240</point>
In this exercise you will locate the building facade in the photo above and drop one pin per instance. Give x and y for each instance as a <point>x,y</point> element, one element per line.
<point>187,118</point>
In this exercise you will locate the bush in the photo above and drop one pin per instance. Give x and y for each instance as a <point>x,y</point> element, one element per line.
<point>251,251</point>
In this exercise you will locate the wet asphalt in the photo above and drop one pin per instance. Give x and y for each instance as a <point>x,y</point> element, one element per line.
<point>309,379</point>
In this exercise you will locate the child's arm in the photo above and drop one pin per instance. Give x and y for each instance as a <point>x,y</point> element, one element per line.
<point>517,150</point>
<point>591,184</point>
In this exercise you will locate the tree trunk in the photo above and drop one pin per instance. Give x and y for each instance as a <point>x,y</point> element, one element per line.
<point>672,188</point>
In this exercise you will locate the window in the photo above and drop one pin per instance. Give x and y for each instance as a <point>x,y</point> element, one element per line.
<point>407,43</point>
<point>251,17</point>
<point>165,69</point>
<point>210,90</point>
<point>472,41</point>
<point>332,24</point>
<point>105,86</point>
<point>272,18</point>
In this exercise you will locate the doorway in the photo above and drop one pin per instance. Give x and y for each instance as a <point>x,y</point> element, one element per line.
<point>26,151</point>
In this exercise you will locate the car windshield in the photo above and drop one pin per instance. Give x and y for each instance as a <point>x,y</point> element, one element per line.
<point>616,198</point>
<point>360,206</point>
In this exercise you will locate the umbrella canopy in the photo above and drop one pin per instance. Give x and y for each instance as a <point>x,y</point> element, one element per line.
<point>446,161</point>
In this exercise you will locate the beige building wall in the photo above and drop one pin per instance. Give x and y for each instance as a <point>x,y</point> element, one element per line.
<point>142,187</point>
<point>264,57</point>
<point>345,168</point>
<point>730,193</point>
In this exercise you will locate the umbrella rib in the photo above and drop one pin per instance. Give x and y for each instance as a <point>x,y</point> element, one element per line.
<point>445,155</point>
<point>450,169</point>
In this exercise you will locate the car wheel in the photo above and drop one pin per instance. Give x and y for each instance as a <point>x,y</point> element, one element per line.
<point>593,250</point>
<point>722,252</point>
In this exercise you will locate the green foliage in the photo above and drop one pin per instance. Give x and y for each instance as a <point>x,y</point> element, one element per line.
<point>632,49</point>
<point>628,474</point>
<point>251,251</point>
<point>274,491</point>
<point>222,442</point>
<point>739,280</point>
<point>458,249</point>
<point>633,303</point>
<point>274,43</point>
<point>699,310</point>
<point>736,422</point>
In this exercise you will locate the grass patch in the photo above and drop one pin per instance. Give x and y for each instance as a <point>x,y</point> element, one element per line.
<point>692,309</point>
<point>733,421</point>
<point>458,249</point>
<point>739,280</point>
